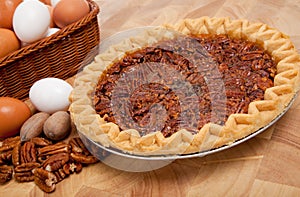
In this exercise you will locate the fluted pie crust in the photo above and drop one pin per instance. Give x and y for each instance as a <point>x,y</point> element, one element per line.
<point>237,126</point>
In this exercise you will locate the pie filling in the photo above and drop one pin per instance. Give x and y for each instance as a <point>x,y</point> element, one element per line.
<point>183,84</point>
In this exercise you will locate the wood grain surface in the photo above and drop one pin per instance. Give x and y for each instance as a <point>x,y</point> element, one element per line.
<point>266,165</point>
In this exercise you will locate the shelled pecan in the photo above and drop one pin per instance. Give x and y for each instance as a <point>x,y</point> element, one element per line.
<point>80,153</point>
<point>28,153</point>
<point>11,140</point>
<point>72,167</point>
<point>69,168</point>
<point>6,147</point>
<point>84,159</point>
<point>16,152</point>
<point>5,157</point>
<point>24,172</point>
<point>55,162</point>
<point>8,144</point>
<point>5,173</point>
<point>78,147</point>
<point>45,180</point>
<point>53,149</point>
<point>40,142</point>
<point>60,175</point>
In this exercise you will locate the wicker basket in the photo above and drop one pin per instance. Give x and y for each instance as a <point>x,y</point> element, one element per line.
<point>60,55</point>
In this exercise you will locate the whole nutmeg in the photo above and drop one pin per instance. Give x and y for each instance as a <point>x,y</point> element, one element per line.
<point>58,125</point>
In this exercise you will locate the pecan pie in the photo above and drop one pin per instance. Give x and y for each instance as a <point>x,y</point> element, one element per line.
<point>193,86</point>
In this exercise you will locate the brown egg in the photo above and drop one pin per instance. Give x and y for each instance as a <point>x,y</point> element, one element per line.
<point>7,9</point>
<point>8,42</point>
<point>69,11</point>
<point>13,113</point>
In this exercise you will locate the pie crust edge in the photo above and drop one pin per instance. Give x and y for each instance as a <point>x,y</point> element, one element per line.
<point>260,113</point>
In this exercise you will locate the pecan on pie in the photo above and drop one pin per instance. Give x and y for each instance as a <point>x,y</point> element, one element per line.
<point>185,88</point>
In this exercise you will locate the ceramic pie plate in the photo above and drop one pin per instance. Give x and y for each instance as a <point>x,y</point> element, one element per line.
<point>137,163</point>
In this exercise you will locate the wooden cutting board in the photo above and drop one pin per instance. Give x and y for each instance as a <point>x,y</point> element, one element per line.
<point>266,165</point>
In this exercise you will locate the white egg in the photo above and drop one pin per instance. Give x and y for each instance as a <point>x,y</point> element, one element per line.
<point>52,31</point>
<point>31,21</point>
<point>50,95</point>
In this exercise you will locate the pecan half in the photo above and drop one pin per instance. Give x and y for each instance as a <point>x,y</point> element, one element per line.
<point>78,147</point>
<point>84,159</point>
<point>24,177</point>
<point>24,172</point>
<point>60,175</point>
<point>16,152</point>
<point>5,173</point>
<point>8,145</point>
<point>45,180</point>
<point>59,147</point>
<point>71,167</point>
<point>55,162</point>
<point>28,153</point>
<point>5,157</point>
<point>10,140</point>
<point>41,142</point>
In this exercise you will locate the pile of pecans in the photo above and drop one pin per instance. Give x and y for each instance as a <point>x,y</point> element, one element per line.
<point>42,161</point>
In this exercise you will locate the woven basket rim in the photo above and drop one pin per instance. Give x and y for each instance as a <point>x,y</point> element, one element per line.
<point>53,38</point>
